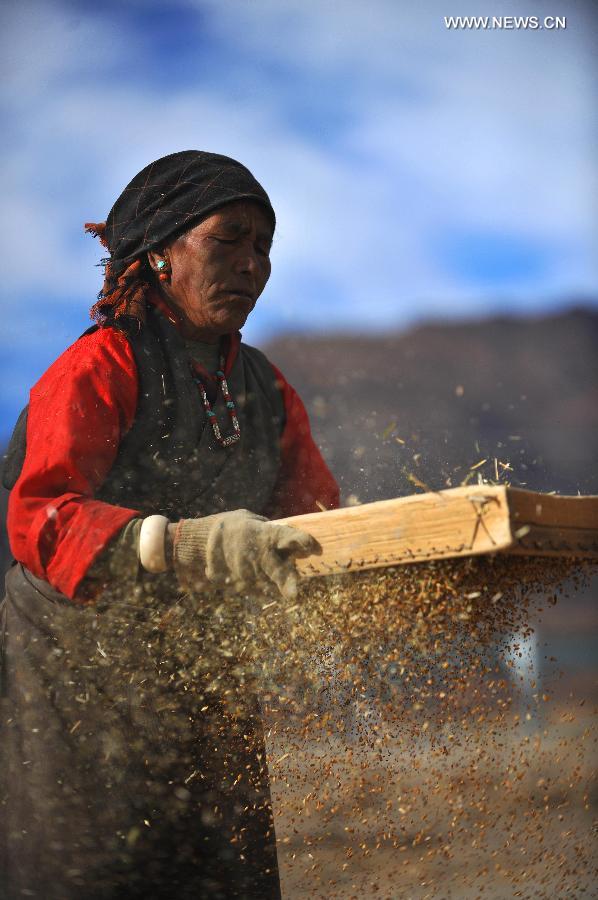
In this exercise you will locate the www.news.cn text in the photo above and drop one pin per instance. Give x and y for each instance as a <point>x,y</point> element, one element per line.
<point>505,23</point>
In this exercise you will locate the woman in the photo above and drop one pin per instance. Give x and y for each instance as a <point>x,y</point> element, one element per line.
<point>153,453</point>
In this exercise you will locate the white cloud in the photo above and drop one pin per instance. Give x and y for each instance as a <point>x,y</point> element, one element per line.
<point>44,44</point>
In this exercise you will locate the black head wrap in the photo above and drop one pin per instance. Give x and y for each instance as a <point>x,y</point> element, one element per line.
<point>166,198</point>
<point>174,193</point>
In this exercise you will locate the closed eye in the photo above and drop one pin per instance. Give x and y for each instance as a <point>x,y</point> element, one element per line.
<point>260,249</point>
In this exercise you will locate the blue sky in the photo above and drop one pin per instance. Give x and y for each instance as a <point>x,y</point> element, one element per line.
<point>416,172</point>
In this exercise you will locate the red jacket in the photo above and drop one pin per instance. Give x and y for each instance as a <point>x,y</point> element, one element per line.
<point>79,411</point>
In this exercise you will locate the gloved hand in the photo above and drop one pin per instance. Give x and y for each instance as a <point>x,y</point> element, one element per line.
<point>238,548</point>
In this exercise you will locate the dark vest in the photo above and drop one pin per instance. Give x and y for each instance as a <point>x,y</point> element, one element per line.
<point>170,461</point>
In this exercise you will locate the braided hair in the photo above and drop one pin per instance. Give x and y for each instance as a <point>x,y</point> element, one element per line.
<point>125,286</point>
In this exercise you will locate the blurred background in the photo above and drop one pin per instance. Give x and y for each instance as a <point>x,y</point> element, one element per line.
<point>434,295</point>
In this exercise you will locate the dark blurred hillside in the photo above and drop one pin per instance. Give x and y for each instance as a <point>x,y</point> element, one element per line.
<point>521,391</point>
<point>430,403</point>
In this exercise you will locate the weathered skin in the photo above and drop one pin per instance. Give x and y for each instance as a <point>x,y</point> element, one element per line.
<point>217,270</point>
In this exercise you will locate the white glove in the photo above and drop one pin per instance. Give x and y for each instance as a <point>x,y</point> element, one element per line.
<point>241,549</point>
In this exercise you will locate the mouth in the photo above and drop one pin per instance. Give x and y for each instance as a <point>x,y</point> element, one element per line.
<point>241,295</point>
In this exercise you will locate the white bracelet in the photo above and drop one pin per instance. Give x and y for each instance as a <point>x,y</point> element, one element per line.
<point>152,544</point>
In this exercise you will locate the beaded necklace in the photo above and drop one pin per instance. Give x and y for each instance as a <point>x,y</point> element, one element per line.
<point>230,405</point>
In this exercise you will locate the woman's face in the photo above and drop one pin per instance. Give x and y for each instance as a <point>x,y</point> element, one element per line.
<point>218,269</point>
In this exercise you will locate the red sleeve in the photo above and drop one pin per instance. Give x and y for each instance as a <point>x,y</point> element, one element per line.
<point>305,483</point>
<point>78,413</point>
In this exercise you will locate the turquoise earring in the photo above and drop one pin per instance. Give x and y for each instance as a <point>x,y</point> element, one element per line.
<point>163,271</point>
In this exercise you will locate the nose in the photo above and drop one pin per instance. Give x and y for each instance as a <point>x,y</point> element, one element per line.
<point>247,262</point>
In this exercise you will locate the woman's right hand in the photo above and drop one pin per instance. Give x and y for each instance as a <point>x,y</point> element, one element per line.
<point>238,549</point>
